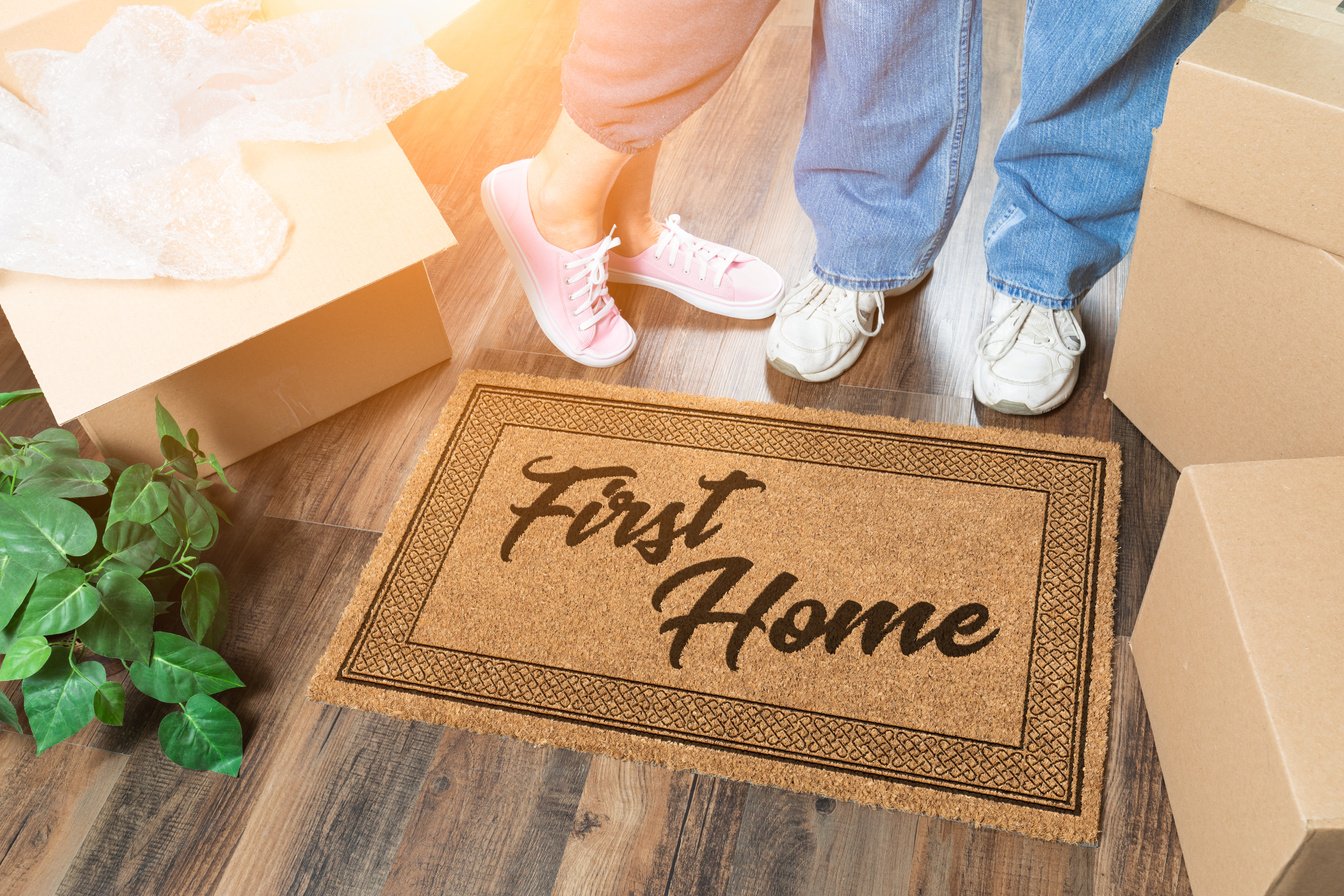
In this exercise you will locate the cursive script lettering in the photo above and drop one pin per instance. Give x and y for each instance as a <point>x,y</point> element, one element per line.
<point>652,534</point>
<point>808,620</point>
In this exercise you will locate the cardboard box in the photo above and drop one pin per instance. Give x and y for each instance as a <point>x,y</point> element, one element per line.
<point>1240,652</point>
<point>346,312</point>
<point>1229,340</point>
<point>1319,17</point>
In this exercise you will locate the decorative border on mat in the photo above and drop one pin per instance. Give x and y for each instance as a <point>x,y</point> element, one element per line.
<point>1044,771</point>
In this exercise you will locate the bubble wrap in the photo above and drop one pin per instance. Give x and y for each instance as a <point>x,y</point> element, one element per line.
<point>124,162</point>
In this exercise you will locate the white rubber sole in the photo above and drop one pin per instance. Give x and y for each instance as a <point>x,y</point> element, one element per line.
<point>1022,409</point>
<point>702,300</point>
<point>843,363</point>
<point>532,290</point>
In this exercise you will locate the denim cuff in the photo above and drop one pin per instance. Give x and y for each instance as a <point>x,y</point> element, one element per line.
<point>1016,291</point>
<point>870,284</point>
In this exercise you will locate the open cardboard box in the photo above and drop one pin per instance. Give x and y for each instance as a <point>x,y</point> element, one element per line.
<point>1229,344</point>
<point>346,312</point>
<point>1240,651</point>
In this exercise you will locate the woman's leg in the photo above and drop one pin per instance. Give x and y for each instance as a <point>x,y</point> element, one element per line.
<point>569,175</point>
<point>568,185</point>
<point>633,73</point>
<point>630,204</point>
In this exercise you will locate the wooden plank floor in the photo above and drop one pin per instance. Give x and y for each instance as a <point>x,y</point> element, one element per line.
<point>336,801</point>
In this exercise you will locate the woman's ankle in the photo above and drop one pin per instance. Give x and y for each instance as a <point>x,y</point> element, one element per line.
<point>561,216</point>
<point>637,234</point>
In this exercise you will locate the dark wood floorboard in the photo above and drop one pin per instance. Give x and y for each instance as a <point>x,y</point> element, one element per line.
<point>494,817</point>
<point>337,801</point>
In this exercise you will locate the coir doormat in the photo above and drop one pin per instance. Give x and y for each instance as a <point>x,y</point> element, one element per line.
<point>906,614</point>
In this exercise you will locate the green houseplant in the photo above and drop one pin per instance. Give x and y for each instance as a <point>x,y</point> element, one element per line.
<point>98,562</point>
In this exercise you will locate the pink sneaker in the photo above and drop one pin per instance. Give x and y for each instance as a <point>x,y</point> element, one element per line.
<point>567,290</point>
<point>714,278</point>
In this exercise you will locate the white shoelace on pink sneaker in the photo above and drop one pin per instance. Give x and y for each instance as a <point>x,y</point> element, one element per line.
<point>593,274</point>
<point>711,257</point>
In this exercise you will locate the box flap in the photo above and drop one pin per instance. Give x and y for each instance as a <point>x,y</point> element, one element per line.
<point>1322,18</point>
<point>1254,118</point>
<point>358,213</point>
<point>1278,530</point>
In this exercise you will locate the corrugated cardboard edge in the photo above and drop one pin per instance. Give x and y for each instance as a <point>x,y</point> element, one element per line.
<point>1034,822</point>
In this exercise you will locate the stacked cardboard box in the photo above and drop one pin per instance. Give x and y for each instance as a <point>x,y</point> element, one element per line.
<point>1231,339</point>
<point>1231,348</point>
<point>1240,651</point>
<point>346,312</point>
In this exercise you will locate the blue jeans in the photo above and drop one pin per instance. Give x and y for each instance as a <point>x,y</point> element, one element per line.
<point>893,118</point>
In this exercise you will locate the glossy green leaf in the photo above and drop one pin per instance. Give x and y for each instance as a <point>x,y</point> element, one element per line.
<point>41,532</point>
<point>171,528</point>
<point>8,714</point>
<point>219,471</point>
<point>9,398</point>
<point>138,497</point>
<point>201,600</point>
<point>14,462</point>
<point>168,427</point>
<point>109,703</point>
<point>202,522</point>
<point>9,634</point>
<point>205,736</point>
<point>133,546</point>
<point>24,657</point>
<point>50,444</point>
<point>123,625</point>
<point>67,478</point>
<point>179,457</point>
<point>59,699</point>
<point>61,601</point>
<point>16,581</point>
<point>180,668</point>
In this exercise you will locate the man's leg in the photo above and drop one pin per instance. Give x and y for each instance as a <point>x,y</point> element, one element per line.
<point>1071,166</point>
<point>893,117</point>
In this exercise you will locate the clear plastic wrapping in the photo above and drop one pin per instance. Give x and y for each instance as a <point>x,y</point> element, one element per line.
<point>124,162</point>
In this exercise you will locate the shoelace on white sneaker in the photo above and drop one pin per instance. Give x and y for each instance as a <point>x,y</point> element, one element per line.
<point>593,274</point>
<point>711,257</point>
<point>832,300</point>
<point>1039,324</point>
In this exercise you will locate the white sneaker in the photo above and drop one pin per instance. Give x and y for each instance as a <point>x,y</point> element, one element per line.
<point>820,330</point>
<point>1028,357</point>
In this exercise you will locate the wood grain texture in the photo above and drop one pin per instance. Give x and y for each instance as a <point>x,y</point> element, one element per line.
<point>50,803</point>
<point>1140,852</point>
<point>336,801</point>
<point>625,831</point>
<point>798,845</point>
<point>708,841</point>
<point>492,820</point>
